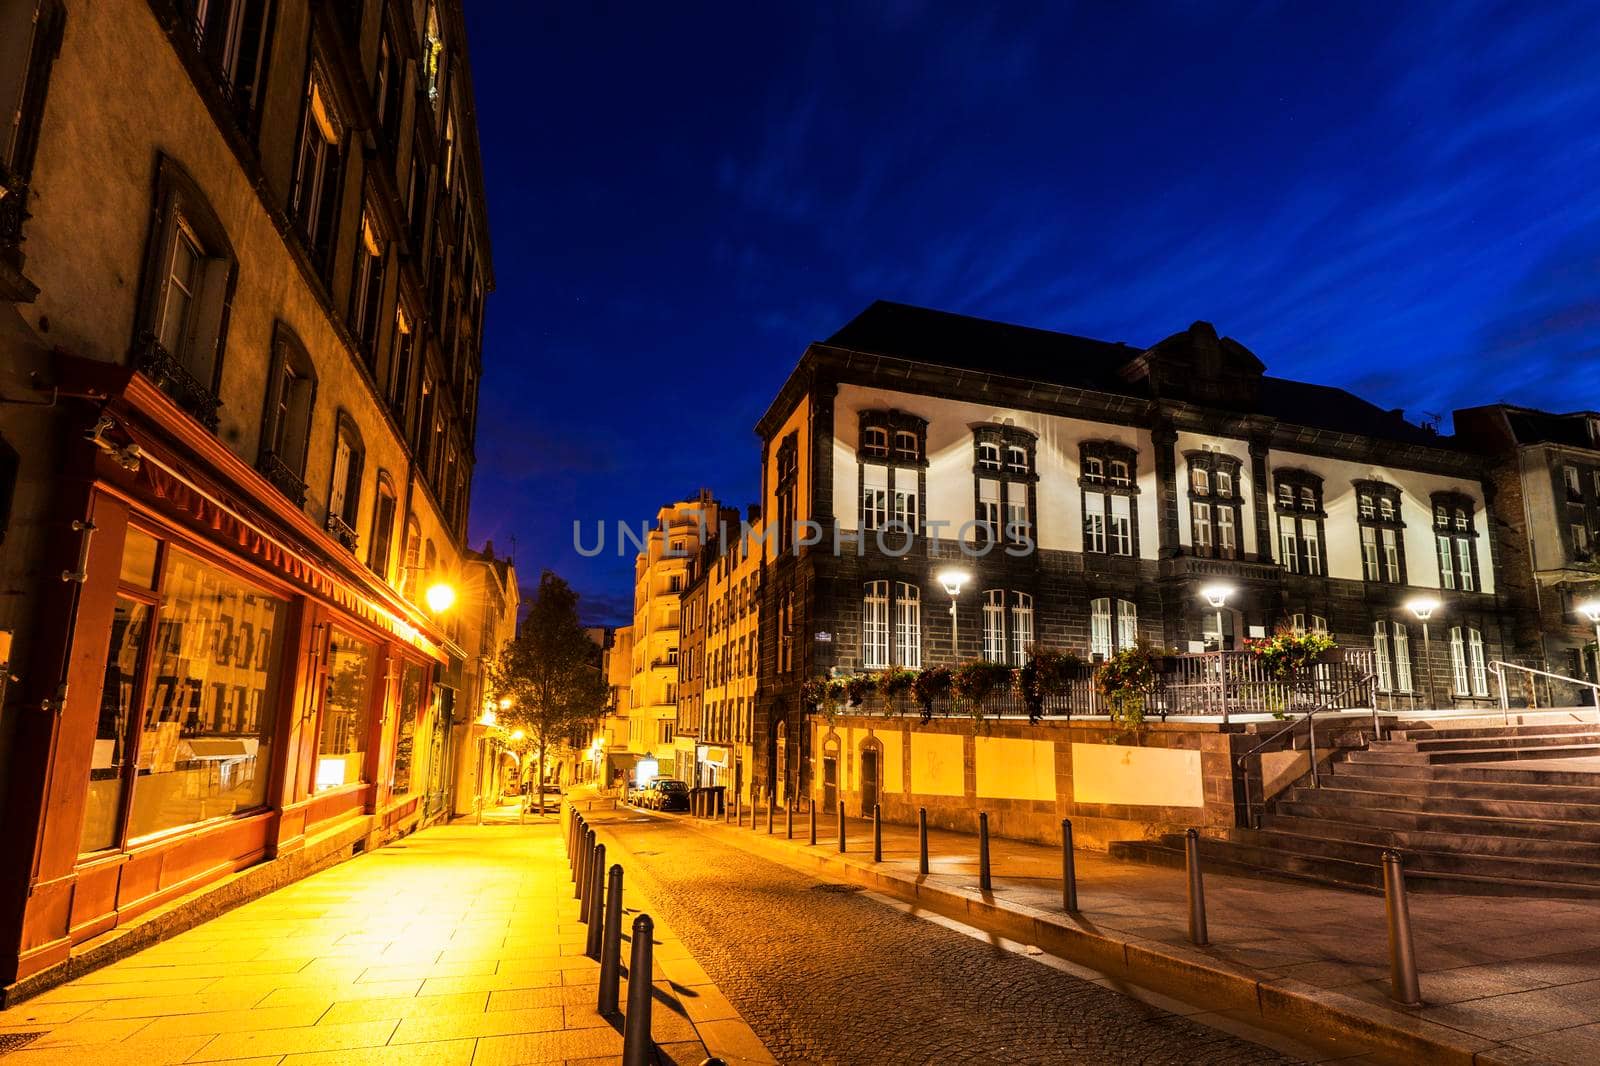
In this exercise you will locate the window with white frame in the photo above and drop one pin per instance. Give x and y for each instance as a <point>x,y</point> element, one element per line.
<point>1214,504</point>
<point>994,625</point>
<point>1113,626</point>
<point>1007,626</point>
<point>890,459</point>
<point>1468,667</point>
<point>1300,522</point>
<point>908,625</point>
<point>1455,536</point>
<point>1391,647</point>
<point>1021,626</point>
<point>1003,467</point>
<point>875,626</point>
<point>1382,532</point>
<point>874,496</point>
<point>1110,502</point>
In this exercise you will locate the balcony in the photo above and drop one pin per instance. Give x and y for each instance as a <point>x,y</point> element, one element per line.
<point>283,477</point>
<point>153,360</point>
<point>341,531</point>
<point>13,213</point>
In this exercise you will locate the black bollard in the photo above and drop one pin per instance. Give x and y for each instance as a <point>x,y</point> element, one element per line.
<point>811,810</point>
<point>877,833</point>
<point>595,900</point>
<point>985,882</point>
<point>611,944</point>
<point>788,816</point>
<point>636,1043</point>
<point>840,809</point>
<point>1069,870</point>
<point>1197,888</point>
<point>1405,988</point>
<point>922,841</point>
<point>772,801</point>
<point>585,853</point>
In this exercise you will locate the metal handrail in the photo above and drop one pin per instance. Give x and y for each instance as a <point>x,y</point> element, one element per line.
<point>1309,719</point>
<point>1498,666</point>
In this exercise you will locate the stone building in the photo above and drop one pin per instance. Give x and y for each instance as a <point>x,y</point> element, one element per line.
<point>488,610</point>
<point>617,662</point>
<point>717,668</point>
<point>1545,471</point>
<point>1087,492</point>
<point>244,256</point>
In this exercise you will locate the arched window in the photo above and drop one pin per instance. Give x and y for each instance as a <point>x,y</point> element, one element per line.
<point>286,422</point>
<point>382,545</point>
<point>411,557</point>
<point>189,274</point>
<point>366,286</point>
<point>344,488</point>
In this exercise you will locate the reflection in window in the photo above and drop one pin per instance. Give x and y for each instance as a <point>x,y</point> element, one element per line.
<point>405,735</point>
<point>346,711</point>
<point>203,752</point>
<point>103,809</point>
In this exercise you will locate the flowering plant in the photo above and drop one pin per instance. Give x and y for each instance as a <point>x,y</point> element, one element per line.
<point>930,684</point>
<point>1125,682</point>
<point>1286,652</point>
<point>893,684</point>
<point>857,687</point>
<point>1046,673</point>
<point>813,691</point>
<point>973,681</point>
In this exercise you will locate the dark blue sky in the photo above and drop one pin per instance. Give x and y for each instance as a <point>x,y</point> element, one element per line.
<point>1398,199</point>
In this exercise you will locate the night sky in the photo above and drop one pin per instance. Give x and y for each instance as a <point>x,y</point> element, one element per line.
<point>681,196</point>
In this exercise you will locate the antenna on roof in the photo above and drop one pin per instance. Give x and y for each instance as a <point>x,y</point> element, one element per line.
<point>1431,421</point>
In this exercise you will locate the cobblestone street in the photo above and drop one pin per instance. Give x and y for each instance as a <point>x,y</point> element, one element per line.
<point>827,975</point>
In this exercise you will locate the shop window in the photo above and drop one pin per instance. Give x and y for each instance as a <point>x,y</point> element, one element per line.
<point>410,712</point>
<point>346,712</point>
<point>204,708</point>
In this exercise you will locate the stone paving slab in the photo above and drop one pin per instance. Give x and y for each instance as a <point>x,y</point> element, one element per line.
<point>458,945</point>
<point>1505,979</point>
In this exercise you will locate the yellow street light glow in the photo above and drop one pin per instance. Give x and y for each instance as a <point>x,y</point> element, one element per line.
<point>440,597</point>
<point>505,703</point>
<point>517,734</point>
<point>1423,607</point>
<point>488,717</point>
<point>1591,610</point>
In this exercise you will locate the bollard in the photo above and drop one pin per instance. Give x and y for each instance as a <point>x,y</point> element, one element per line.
<point>1197,888</point>
<point>611,944</point>
<point>788,816</point>
<point>636,1044</point>
<point>585,853</point>
<point>595,901</point>
<point>772,801</point>
<point>1405,988</point>
<point>922,841</point>
<point>840,808</point>
<point>985,882</point>
<point>811,811</point>
<point>1069,870</point>
<point>877,833</point>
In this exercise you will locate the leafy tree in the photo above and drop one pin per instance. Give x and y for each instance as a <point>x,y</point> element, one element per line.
<point>550,672</point>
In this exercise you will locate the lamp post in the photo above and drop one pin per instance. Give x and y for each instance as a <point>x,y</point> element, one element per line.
<point>952,580</point>
<point>1591,611</point>
<point>1423,607</point>
<point>1217,597</point>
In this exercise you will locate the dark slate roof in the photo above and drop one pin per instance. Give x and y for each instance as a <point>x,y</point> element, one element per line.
<point>946,339</point>
<point>1543,427</point>
<point>962,342</point>
<point>1327,407</point>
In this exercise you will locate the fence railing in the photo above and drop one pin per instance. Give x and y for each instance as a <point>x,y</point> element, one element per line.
<point>1223,683</point>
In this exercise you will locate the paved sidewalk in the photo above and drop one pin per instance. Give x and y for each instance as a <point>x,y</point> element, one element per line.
<point>457,945</point>
<point>1505,980</point>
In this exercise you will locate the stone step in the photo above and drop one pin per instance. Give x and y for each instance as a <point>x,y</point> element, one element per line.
<point>1522,740</point>
<point>1503,754</point>
<point>1452,797</point>
<point>1506,774</point>
<point>1513,867</point>
<point>1537,729</point>
<point>1426,833</point>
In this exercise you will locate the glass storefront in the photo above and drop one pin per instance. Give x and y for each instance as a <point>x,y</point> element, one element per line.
<point>346,711</point>
<point>187,709</point>
<point>407,757</point>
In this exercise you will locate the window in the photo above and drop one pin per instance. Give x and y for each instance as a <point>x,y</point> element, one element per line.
<point>1106,638</point>
<point>1021,626</point>
<point>190,734</point>
<point>230,36</point>
<point>1569,477</point>
<point>396,380</point>
<point>1110,506</point>
<point>286,425</point>
<point>30,38</point>
<point>391,77</point>
<point>908,625</point>
<point>411,558</point>
<point>1004,468</point>
<point>891,480</point>
<point>432,55</point>
<point>1382,532</point>
<point>1300,521</point>
<point>989,455</point>
<point>988,509</point>
<point>314,202</point>
<point>1392,650</point>
<point>346,712</point>
<point>875,626</point>
<point>1467,661</point>
<point>190,272</point>
<point>786,633</point>
<point>409,712</point>
<point>666,730</point>
<point>382,527</point>
<point>344,493</point>
<point>994,625</point>
<point>1093,469</point>
<point>788,475</point>
<point>1455,538</point>
<point>366,288</point>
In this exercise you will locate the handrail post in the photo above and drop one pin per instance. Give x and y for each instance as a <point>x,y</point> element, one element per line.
<point>1311,726</point>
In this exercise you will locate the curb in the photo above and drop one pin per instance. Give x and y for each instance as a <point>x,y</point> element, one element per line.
<point>1283,1004</point>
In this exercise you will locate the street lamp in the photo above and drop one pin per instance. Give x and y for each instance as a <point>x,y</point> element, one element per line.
<point>1423,607</point>
<point>952,580</point>
<point>1591,611</point>
<point>440,596</point>
<point>1217,597</point>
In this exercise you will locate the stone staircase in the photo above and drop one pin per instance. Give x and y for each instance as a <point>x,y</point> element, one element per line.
<point>1476,806</point>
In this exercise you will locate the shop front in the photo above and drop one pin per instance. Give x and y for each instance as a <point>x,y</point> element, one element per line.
<point>229,695</point>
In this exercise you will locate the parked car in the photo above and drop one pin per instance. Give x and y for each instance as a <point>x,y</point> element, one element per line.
<point>637,794</point>
<point>669,794</point>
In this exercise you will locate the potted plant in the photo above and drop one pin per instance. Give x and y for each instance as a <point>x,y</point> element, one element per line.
<point>1125,682</point>
<point>1047,672</point>
<point>857,686</point>
<point>1286,652</point>
<point>974,681</point>
<point>813,691</point>
<point>931,683</point>
<point>894,685</point>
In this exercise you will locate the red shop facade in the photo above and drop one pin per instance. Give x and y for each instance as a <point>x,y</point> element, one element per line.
<point>215,686</point>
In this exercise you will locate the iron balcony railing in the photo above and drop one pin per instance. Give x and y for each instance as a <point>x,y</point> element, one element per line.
<point>151,358</point>
<point>13,209</point>
<point>282,476</point>
<point>342,531</point>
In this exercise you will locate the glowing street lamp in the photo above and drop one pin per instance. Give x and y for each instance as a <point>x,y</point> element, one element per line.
<point>440,596</point>
<point>506,702</point>
<point>517,735</point>
<point>1590,609</point>
<point>1423,607</point>
<point>952,580</point>
<point>1217,597</point>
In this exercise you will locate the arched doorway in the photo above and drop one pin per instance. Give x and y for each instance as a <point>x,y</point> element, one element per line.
<point>871,774</point>
<point>781,762</point>
<point>830,774</point>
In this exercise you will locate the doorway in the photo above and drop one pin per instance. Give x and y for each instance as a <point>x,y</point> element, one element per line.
<point>830,782</point>
<point>869,780</point>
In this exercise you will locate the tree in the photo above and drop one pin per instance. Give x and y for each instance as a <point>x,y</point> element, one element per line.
<point>550,673</point>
